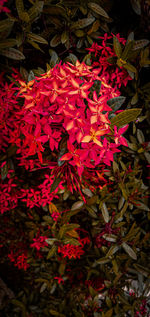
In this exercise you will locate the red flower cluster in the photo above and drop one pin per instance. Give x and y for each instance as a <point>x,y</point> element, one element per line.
<point>39,242</point>
<point>73,251</point>
<point>57,105</point>
<point>20,260</point>
<point>112,74</point>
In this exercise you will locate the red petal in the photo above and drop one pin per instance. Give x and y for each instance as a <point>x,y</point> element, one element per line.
<point>66,157</point>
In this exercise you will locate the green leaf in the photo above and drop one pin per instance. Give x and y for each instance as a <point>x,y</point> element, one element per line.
<point>19,6</point>
<point>94,27</point>
<point>109,313</point>
<point>91,212</point>
<point>129,251</point>
<point>25,17</point>
<point>83,9</point>
<point>87,192</point>
<point>36,38</point>
<point>4,171</point>
<point>50,241</point>
<point>117,46</point>
<point>21,13</point>
<point>141,269</point>
<point>72,58</point>
<point>12,53</point>
<point>87,60</point>
<point>43,287</point>
<point>64,37</point>
<point>97,9</point>
<point>101,261</point>
<point>136,6</point>
<point>7,43</point>
<point>113,249</point>
<point>130,67</point>
<point>92,200</point>
<point>53,61</point>
<point>55,10</point>
<point>116,103</point>
<point>55,184</point>
<point>55,313</point>
<point>134,99</point>
<point>80,24</point>
<point>67,227</point>
<point>20,305</point>
<point>127,50</point>
<point>35,45</point>
<point>6,24</point>
<point>79,33</point>
<point>35,10</point>
<point>110,237</point>
<point>51,252</point>
<point>142,206</point>
<point>80,43</point>
<point>124,190</point>
<point>61,269</point>
<point>56,40</point>
<point>140,44</point>
<point>72,241</point>
<point>125,117</point>
<point>93,293</point>
<point>77,205</point>
<point>147,155</point>
<point>105,212</point>
<point>140,136</point>
<point>115,167</point>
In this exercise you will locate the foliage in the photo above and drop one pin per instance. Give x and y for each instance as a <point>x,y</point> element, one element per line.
<point>42,25</point>
<point>57,154</point>
<point>74,190</point>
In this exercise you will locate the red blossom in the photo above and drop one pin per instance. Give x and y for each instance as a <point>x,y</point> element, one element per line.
<point>71,251</point>
<point>39,242</point>
<point>20,260</point>
<point>59,279</point>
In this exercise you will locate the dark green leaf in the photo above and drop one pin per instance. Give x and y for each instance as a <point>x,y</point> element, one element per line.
<point>117,46</point>
<point>116,103</point>
<point>125,117</point>
<point>127,50</point>
<point>80,24</point>
<point>12,53</point>
<point>55,184</point>
<point>97,9</point>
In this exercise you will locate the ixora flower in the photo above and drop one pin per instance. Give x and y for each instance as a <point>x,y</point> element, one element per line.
<point>39,242</point>
<point>61,104</point>
<point>19,259</point>
<point>71,251</point>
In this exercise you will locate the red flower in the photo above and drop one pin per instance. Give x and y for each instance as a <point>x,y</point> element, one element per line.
<point>59,278</point>
<point>19,260</point>
<point>71,251</point>
<point>39,242</point>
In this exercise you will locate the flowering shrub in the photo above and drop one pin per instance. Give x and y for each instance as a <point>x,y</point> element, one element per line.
<point>58,114</point>
<point>59,186</point>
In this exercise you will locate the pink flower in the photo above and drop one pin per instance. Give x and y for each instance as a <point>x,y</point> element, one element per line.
<point>39,242</point>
